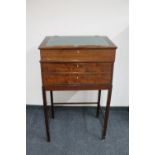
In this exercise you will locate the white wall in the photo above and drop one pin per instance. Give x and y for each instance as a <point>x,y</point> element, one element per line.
<point>78,17</point>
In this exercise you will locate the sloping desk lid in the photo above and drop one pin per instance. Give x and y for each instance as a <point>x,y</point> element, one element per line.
<point>54,42</point>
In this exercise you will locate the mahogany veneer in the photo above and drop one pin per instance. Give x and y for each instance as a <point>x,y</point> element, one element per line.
<point>77,63</point>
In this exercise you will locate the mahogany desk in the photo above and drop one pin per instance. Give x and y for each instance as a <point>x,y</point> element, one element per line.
<point>77,63</point>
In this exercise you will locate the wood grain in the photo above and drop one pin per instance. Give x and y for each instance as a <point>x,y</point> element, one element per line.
<point>76,67</point>
<point>80,55</point>
<point>101,78</point>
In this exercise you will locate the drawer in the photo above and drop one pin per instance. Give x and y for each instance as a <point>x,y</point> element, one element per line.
<point>79,55</point>
<point>49,79</point>
<point>77,67</point>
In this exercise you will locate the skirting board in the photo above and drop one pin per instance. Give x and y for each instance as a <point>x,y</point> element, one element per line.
<point>91,105</point>
<point>75,104</point>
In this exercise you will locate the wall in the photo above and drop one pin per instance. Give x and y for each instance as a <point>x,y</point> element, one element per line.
<point>78,17</point>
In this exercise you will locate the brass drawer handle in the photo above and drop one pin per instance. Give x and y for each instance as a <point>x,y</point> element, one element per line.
<point>77,66</point>
<point>78,51</point>
<point>77,77</point>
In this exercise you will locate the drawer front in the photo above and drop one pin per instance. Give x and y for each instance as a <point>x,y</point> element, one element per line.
<point>49,78</point>
<point>81,55</point>
<point>77,67</point>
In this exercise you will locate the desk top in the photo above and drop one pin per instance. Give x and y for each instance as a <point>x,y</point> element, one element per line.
<point>54,42</point>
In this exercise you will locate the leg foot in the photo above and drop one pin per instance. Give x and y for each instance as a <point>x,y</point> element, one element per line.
<point>106,115</point>
<point>48,139</point>
<point>103,138</point>
<point>46,115</point>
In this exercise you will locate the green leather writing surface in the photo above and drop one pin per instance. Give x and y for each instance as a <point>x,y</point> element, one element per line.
<point>78,41</point>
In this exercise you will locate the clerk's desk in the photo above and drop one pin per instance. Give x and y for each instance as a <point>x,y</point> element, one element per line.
<point>77,63</point>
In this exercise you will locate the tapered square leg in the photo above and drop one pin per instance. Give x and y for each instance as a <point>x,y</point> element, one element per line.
<point>98,103</point>
<point>46,114</point>
<point>52,104</point>
<point>106,115</point>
